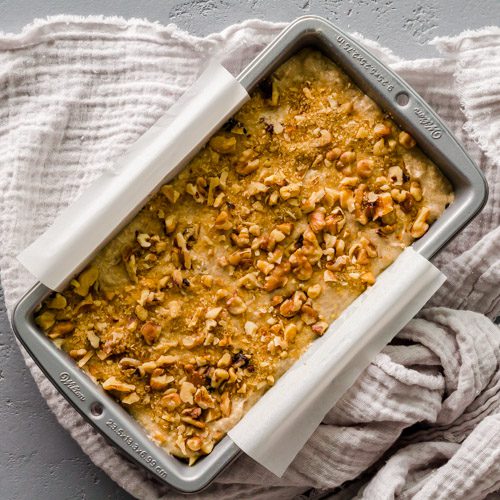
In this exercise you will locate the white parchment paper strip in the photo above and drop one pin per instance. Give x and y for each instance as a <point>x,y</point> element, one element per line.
<point>116,196</point>
<point>280,423</point>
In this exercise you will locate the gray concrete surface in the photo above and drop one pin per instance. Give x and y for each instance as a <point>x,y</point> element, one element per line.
<point>38,460</point>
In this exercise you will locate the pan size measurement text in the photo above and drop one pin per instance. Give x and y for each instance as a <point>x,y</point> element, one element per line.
<point>138,451</point>
<point>365,63</point>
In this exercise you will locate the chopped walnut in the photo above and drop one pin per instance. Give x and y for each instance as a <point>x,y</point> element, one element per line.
<point>383,205</point>
<point>57,302</point>
<point>379,148</point>
<point>420,225</point>
<point>186,392</point>
<point>290,332</point>
<point>213,313</point>
<point>61,329</point>
<point>248,168</point>
<point>406,140</point>
<point>225,405</point>
<point>93,338</point>
<point>347,158</point>
<point>160,380</point>
<point>150,331</point>
<point>85,280</point>
<point>113,384</point>
<point>256,188</point>
<point>314,291</point>
<point>236,305</point>
<point>170,224</point>
<point>346,199</point>
<point>223,144</point>
<point>381,130</point>
<point>143,240</point>
<point>368,278</point>
<point>193,422</point>
<point>147,367</point>
<point>292,306</point>
<point>364,168</point>
<point>396,175</point>
<point>320,327</point>
<point>132,398</point>
<point>203,398</point>
<point>317,220</point>
<point>264,266</point>
<point>171,401</point>
<point>170,193</point>
<point>129,363</point>
<point>45,320</point>
<point>301,266</point>
<point>77,353</point>
<point>141,312</point>
<point>222,222</point>
<point>416,190</point>
<point>241,239</point>
<point>194,443</point>
<point>335,222</point>
<point>333,154</point>
<point>218,377</point>
<point>325,138</point>
<point>251,328</point>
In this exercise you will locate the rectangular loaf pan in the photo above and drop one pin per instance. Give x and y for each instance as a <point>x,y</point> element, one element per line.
<point>408,110</point>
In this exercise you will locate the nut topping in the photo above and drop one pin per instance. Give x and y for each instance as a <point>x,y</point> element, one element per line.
<point>61,329</point>
<point>364,168</point>
<point>317,220</point>
<point>324,140</point>
<point>194,443</point>
<point>171,401</point>
<point>406,140</point>
<point>186,393</point>
<point>86,279</point>
<point>58,302</point>
<point>301,266</point>
<point>236,306</point>
<point>222,144</point>
<point>218,377</point>
<point>45,320</point>
<point>203,399</point>
<point>150,331</point>
<point>113,384</point>
<point>292,306</point>
<point>420,225</point>
<point>229,272</point>
<point>159,380</point>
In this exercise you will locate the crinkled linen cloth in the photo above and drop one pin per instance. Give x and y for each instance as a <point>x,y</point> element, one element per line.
<point>423,420</point>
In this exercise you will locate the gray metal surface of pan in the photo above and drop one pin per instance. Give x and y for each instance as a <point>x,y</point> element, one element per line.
<point>396,98</point>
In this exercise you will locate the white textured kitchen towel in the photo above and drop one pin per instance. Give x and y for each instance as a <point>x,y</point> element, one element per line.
<point>423,421</point>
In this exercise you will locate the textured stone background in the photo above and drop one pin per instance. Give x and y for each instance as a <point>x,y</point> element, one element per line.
<point>37,458</point>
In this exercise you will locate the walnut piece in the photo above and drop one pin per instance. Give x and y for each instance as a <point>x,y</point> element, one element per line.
<point>113,384</point>
<point>186,393</point>
<point>150,331</point>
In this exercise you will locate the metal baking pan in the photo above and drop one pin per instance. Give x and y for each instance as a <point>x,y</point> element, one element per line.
<point>396,98</point>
